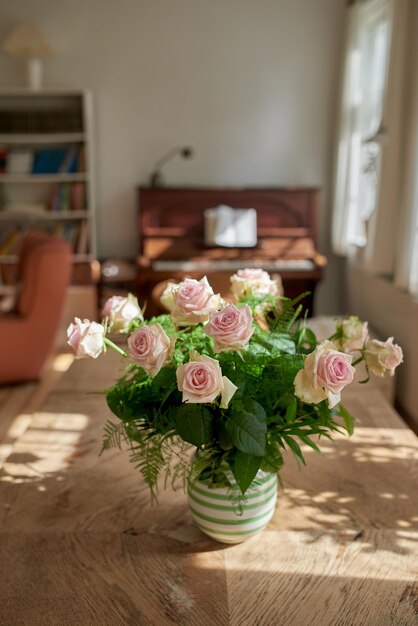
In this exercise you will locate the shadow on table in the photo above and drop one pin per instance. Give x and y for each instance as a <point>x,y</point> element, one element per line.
<point>54,478</point>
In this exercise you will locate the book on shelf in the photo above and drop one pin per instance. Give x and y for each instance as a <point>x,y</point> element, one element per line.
<point>67,197</point>
<point>78,197</point>
<point>64,199</point>
<point>8,242</point>
<point>82,240</point>
<point>19,161</point>
<point>48,160</point>
<point>63,160</point>
<point>81,162</point>
<point>71,233</point>
<point>69,164</point>
<point>53,198</point>
<point>59,200</point>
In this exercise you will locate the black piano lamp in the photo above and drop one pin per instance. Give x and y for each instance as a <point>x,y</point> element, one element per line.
<point>156,178</point>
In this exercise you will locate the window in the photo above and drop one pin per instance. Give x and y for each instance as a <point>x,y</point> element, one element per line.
<point>362,132</point>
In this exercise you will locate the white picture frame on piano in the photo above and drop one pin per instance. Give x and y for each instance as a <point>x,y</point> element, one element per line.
<point>227,227</point>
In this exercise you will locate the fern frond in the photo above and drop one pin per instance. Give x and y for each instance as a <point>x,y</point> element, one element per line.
<point>114,434</point>
<point>282,318</point>
<point>146,455</point>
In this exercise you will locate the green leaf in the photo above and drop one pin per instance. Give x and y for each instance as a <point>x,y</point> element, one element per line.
<point>245,467</point>
<point>118,400</point>
<point>294,448</point>
<point>282,342</point>
<point>349,420</point>
<point>225,440</point>
<point>165,377</point>
<point>291,410</point>
<point>194,424</point>
<point>278,377</point>
<point>309,442</point>
<point>273,341</point>
<point>257,348</point>
<point>272,460</point>
<point>247,428</point>
<point>305,339</point>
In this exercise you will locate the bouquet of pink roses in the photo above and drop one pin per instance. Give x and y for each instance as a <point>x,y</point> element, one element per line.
<point>240,382</point>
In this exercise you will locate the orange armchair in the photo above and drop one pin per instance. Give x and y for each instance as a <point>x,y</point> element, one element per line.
<point>27,335</point>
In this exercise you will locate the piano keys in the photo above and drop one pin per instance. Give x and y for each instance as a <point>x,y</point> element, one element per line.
<point>232,266</point>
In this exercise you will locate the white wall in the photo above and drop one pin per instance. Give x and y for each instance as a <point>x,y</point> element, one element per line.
<point>390,312</point>
<point>251,85</point>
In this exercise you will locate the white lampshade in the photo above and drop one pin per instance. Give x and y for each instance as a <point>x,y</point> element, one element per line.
<point>27,41</point>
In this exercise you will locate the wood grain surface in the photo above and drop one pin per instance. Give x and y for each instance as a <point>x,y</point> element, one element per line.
<point>80,542</point>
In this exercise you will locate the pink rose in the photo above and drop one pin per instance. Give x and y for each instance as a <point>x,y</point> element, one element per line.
<point>151,348</point>
<point>201,380</point>
<point>326,372</point>
<point>254,282</point>
<point>191,301</point>
<point>382,357</point>
<point>231,328</point>
<point>86,338</point>
<point>354,334</point>
<point>120,312</point>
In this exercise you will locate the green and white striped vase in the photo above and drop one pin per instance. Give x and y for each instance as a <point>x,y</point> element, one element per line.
<point>220,515</point>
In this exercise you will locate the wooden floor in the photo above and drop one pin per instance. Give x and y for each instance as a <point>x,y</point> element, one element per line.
<point>80,543</point>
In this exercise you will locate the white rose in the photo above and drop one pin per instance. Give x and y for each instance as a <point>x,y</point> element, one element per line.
<point>86,338</point>
<point>354,334</point>
<point>382,357</point>
<point>121,311</point>
<point>254,282</point>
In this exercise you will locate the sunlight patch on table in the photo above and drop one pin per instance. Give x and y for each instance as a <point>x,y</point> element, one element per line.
<point>47,447</point>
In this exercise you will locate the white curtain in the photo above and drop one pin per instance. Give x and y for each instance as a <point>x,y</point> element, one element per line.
<point>348,138</point>
<point>361,131</point>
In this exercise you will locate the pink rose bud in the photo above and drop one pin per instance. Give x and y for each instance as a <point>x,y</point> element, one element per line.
<point>382,357</point>
<point>151,348</point>
<point>191,301</point>
<point>254,282</point>
<point>86,338</point>
<point>325,374</point>
<point>354,334</point>
<point>230,328</point>
<point>201,381</point>
<point>120,312</point>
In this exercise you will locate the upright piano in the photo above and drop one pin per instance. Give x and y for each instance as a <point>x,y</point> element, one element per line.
<point>171,238</point>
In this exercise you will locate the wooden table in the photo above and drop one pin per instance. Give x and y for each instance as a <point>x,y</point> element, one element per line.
<point>80,543</point>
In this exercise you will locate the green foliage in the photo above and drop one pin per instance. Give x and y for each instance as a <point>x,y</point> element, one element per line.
<point>349,420</point>
<point>263,420</point>
<point>113,436</point>
<point>245,467</point>
<point>247,427</point>
<point>194,424</point>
